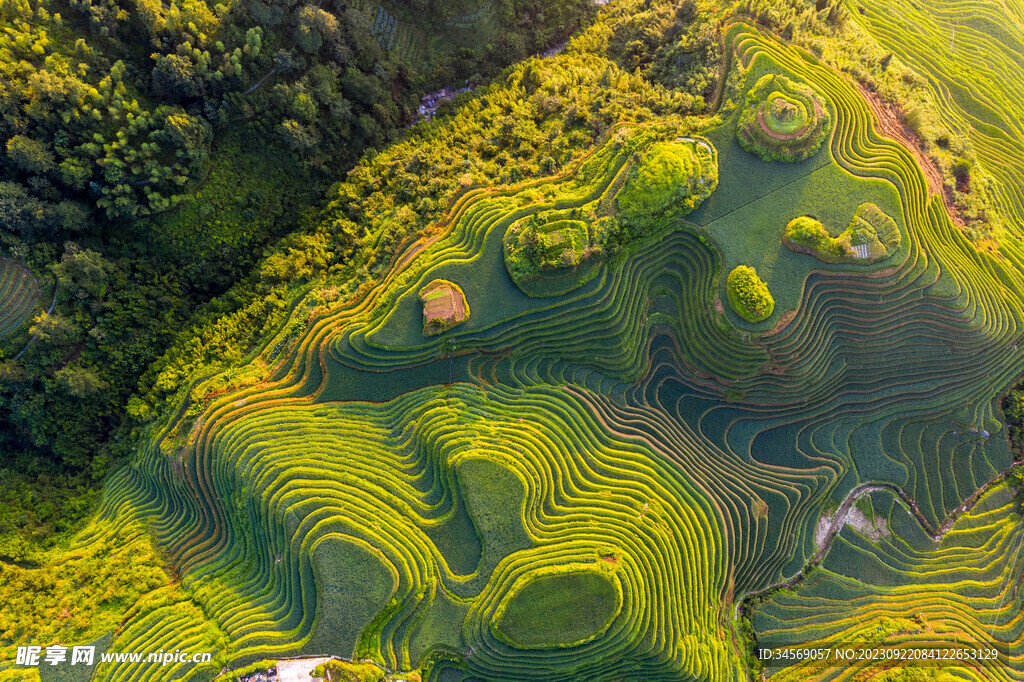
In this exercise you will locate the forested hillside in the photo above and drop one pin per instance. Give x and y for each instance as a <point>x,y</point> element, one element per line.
<point>149,153</point>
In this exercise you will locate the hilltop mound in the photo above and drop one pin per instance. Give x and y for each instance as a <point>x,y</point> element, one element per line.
<point>749,295</point>
<point>555,255</point>
<point>783,120</point>
<point>671,178</point>
<point>533,246</point>
<point>444,307</point>
<point>545,253</point>
<point>871,236</point>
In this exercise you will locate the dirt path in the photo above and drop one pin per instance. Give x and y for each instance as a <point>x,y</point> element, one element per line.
<point>297,670</point>
<point>838,522</point>
<point>889,124</point>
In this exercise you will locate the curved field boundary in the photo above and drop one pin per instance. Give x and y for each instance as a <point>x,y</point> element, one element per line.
<point>626,423</point>
<point>959,592</point>
<point>838,521</point>
<point>19,296</point>
<point>971,60</point>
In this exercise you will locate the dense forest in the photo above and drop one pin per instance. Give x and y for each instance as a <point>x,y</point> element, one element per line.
<point>150,152</point>
<point>173,173</point>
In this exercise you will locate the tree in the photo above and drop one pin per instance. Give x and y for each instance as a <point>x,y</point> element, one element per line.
<point>190,134</point>
<point>11,372</point>
<point>82,272</point>
<point>285,63</point>
<point>314,27</point>
<point>962,171</point>
<point>270,12</point>
<point>297,136</point>
<point>70,216</point>
<point>20,212</point>
<point>75,172</point>
<point>79,381</point>
<point>30,155</point>
<point>304,107</point>
<point>53,328</point>
<point>175,78</point>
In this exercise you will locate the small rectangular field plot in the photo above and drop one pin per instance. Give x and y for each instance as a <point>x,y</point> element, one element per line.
<point>384,27</point>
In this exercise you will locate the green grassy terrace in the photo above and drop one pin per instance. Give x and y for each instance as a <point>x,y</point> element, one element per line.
<point>586,479</point>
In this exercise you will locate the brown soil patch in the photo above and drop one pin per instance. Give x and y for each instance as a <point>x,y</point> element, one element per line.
<point>610,559</point>
<point>449,307</point>
<point>783,322</point>
<point>887,115</point>
<point>442,307</point>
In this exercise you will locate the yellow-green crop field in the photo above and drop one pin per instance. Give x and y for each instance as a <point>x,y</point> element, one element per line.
<point>612,475</point>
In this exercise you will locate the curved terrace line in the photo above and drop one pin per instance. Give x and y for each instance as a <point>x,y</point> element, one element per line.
<point>839,522</point>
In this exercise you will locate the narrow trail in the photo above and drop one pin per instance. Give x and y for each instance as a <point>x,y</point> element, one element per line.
<point>838,522</point>
<point>274,69</point>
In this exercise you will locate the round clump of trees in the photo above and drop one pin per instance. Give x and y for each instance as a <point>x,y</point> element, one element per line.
<point>671,179</point>
<point>748,294</point>
<point>783,120</point>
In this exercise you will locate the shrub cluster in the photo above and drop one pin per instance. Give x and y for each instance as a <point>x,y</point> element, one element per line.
<point>670,178</point>
<point>748,295</point>
<point>871,236</point>
<point>533,246</point>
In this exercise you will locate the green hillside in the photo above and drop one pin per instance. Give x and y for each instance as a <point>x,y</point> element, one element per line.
<point>665,440</point>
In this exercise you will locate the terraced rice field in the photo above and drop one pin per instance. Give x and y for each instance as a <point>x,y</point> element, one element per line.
<point>388,495</point>
<point>909,591</point>
<point>19,295</point>
<point>971,57</point>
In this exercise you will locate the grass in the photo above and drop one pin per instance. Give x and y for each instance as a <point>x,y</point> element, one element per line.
<point>495,496</point>
<point>354,582</point>
<point>559,609</point>
<point>830,193</point>
<point>785,115</point>
<point>756,199</point>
